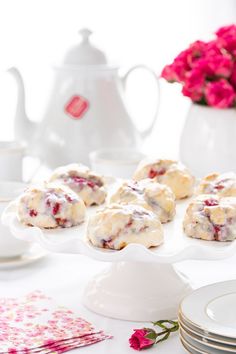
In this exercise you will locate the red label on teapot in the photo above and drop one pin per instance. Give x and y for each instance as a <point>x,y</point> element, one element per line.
<point>76,107</point>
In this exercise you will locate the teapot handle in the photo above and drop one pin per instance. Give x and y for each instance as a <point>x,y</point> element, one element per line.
<point>148,130</point>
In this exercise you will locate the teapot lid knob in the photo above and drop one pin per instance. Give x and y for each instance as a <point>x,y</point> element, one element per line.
<point>85,53</point>
<point>85,34</point>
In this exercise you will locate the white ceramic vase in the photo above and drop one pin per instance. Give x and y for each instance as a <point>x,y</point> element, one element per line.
<point>208,141</point>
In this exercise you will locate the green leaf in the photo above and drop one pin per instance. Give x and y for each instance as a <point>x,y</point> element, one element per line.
<point>151,335</point>
<point>163,324</point>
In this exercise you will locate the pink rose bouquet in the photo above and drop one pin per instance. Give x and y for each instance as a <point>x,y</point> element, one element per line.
<point>207,70</point>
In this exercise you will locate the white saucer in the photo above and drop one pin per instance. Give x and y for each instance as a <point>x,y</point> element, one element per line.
<point>205,336</point>
<point>212,309</point>
<point>211,347</point>
<point>34,254</point>
<point>190,348</point>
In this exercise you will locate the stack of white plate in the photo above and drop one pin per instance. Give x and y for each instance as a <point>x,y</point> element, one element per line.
<point>207,319</point>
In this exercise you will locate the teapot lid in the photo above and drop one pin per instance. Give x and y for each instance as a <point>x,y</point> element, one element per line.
<point>85,53</point>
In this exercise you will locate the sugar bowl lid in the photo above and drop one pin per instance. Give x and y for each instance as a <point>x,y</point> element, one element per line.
<point>85,53</point>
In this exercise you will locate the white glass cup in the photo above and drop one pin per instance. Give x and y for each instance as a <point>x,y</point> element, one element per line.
<point>116,162</point>
<point>11,160</point>
<point>9,245</point>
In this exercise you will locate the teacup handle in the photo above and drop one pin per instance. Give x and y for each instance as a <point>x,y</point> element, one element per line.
<point>148,130</point>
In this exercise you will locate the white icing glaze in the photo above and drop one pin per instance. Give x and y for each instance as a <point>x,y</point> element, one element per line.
<point>211,218</point>
<point>50,206</point>
<point>223,184</point>
<point>150,194</point>
<point>169,172</point>
<point>87,184</point>
<point>115,226</point>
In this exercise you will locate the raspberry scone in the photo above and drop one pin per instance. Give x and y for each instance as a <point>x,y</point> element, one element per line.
<point>50,206</point>
<point>210,218</point>
<point>118,225</point>
<point>87,184</point>
<point>169,172</point>
<point>152,195</point>
<point>223,184</point>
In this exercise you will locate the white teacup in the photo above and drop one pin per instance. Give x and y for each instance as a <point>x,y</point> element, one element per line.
<point>116,162</point>
<point>9,245</point>
<point>11,159</point>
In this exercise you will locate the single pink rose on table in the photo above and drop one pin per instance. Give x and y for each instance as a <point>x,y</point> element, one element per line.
<point>194,85</point>
<point>139,341</point>
<point>146,337</point>
<point>227,38</point>
<point>220,94</point>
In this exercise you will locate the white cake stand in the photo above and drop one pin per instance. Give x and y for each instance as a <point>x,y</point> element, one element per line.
<point>141,284</point>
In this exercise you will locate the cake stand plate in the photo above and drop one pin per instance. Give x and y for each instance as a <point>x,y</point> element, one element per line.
<point>141,284</point>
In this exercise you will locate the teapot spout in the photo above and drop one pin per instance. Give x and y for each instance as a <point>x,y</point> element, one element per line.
<point>24,129</point>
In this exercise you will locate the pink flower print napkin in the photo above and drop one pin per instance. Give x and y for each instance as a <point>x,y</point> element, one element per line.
<point>36,324</point>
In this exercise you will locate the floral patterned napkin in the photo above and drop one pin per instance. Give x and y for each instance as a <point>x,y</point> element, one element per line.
<point>35,324</point>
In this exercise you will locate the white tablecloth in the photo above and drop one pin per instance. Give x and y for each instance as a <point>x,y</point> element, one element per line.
<point>64,276</point>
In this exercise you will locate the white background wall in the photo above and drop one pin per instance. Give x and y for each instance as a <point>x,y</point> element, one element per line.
<point>35,33</point>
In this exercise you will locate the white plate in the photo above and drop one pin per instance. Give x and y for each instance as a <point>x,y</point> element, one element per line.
<point>34,254</point>
<point>190,348</point>
<point>202,343</point>
<point>205,336</point>
<point>176,247</point>
<point>202,348</point>
<point>212,308</point>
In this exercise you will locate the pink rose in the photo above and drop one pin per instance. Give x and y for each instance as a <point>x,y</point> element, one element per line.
<point>216,65</point>
<point>200,50</point>
<point>220,94</point>
<point>220,65</point>
<point>188,59</point>
<point>212,48</point>
<point>177,70</point>
<point>227,38</point>
<point>180,68</point>
<point>138,340</point>
<point>184,62</point>
<point>195,51</point>
<point>168,73</point>
<point>194,85</point>
<point>232,78</point>
<point>226,30</point>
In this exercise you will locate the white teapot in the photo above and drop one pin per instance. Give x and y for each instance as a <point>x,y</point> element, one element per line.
<point>86,110</point>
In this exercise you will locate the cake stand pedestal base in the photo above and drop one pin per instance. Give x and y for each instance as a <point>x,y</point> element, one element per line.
<point>137,291</point>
